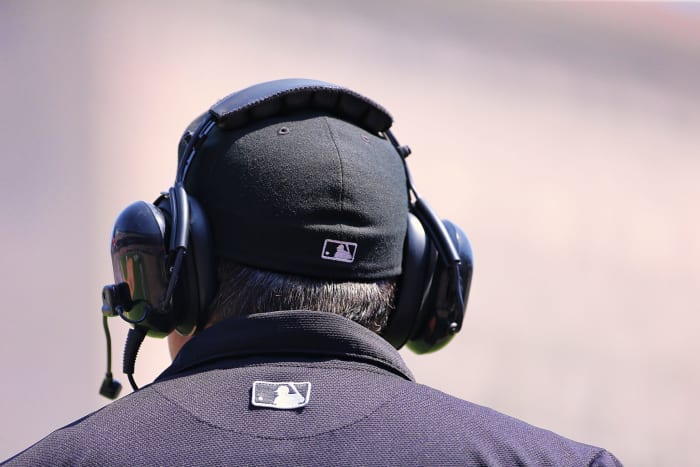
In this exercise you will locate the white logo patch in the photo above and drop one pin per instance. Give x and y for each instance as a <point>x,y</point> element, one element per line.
<point>284,395</point>
<point>336,250</point>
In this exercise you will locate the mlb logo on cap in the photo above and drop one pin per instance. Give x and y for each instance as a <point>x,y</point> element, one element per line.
<point>336,250</point>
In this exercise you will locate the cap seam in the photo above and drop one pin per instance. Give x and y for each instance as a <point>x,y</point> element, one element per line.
<point>342,179</point>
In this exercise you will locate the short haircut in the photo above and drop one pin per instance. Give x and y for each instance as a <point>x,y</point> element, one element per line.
<point>245,290</point>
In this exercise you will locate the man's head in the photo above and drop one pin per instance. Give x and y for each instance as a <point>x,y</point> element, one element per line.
<point>294,185</point>
<point>307,212</point>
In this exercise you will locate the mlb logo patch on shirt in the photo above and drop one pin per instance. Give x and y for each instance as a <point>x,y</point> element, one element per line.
<point>280,395</point>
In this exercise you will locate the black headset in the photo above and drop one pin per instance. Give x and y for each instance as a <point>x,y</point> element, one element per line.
<point>162,256</point>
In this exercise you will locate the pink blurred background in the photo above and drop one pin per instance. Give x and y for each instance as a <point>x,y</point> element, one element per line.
<point>562,137</point>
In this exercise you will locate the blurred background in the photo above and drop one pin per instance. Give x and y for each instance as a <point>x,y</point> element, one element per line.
<point>562,137</point>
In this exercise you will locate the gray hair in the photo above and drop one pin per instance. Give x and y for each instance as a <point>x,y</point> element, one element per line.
<point>244,290</point>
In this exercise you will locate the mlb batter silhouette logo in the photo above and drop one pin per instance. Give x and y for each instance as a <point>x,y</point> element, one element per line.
<point>280,395</point>
<point>336,250</point>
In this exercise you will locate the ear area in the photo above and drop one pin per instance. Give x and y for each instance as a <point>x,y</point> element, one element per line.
<point>202,266</point>
<point>197,283</point>
<point>417,270</point>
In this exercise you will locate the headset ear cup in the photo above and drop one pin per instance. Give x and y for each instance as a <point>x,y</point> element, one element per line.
<point>446,301</point>
<point>138,259</point>
<point>419,259</point>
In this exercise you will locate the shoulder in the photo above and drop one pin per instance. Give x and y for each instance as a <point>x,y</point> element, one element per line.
<point>486,436</point>
<point>96,438</point>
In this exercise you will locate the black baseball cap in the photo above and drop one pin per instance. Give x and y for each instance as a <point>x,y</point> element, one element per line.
<point>305,193</point>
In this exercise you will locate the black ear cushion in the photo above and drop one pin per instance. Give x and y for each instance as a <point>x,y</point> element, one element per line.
<point>417,269</point>
<point>200,278</point>
<point>197,281</point>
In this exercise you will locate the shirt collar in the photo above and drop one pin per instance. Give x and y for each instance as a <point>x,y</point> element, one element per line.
<point>308,334</point>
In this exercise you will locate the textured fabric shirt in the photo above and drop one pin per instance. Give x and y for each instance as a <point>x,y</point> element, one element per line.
<point>299,388</point>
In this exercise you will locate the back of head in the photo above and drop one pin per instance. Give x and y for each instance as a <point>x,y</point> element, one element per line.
<point>307,212</point>
<point>305,194</point>
<point>298,193</point>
